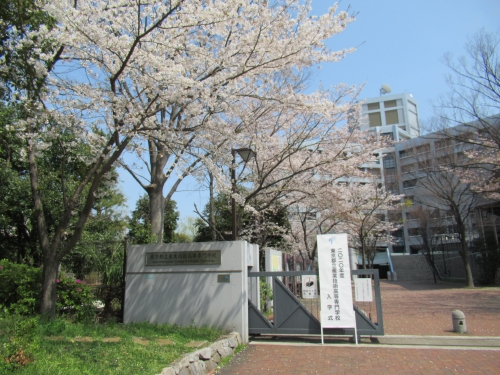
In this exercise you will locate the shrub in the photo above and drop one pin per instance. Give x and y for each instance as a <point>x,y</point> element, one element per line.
<point>21,287</point>
<point>22,341</point>
<point>266,295</point>
<point>75,297</point>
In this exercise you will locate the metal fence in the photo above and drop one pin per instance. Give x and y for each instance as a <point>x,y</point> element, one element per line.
<point>369,317</point>
<point>451,266</point>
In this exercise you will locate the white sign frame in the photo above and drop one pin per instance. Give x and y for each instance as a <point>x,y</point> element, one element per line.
<point>337,307</point>
<point>363,290</point>
<point>310,290</point>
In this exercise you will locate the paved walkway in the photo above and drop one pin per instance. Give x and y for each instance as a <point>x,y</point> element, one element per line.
<point>419,338</point>
<point>333,359</point>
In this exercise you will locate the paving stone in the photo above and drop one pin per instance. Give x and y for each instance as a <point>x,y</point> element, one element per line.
<point>140,341</point>
<point>163,342</point>
<point>55,338</point>
<point>111,339</point>
<point>82,339</point>
<point>196,344</point>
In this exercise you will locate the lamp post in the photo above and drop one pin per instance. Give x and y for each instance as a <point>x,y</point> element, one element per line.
<point>246,154</point>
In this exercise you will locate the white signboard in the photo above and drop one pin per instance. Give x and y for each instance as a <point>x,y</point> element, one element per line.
<point>363,290</point>
<point>310,287</point>
<point>337,309</point>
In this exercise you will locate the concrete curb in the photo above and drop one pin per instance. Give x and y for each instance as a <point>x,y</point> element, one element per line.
<point>469,342</point>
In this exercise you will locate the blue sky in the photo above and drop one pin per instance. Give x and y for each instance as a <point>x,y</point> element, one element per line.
<point>399,42</point>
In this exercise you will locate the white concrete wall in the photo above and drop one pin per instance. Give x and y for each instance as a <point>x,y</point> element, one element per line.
<point>274,262</point>
<point>253,282</point>
<point>186,295</point>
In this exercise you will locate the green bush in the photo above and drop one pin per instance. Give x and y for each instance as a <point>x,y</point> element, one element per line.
<point>266,295</point>
<point>17,351</point>
<point>20,287</point>
<point>75,297</point>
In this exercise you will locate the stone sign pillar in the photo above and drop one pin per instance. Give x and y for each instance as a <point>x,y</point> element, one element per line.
<point>189,284</point>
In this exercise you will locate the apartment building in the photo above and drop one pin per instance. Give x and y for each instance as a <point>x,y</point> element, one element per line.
<point>409,161</point>
<point>428,172</point>
<point>396,117</point>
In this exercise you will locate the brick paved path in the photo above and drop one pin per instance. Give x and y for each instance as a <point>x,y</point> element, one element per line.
<point>286,359</point>
<point>412,308</point>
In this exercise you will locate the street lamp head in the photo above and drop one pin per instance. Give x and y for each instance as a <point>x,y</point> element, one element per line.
<point>245,153</point>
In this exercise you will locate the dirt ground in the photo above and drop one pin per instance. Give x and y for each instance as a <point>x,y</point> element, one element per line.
<point>424,308</point>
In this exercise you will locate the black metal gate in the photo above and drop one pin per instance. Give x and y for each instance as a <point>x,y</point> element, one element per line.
<point>290,316</point>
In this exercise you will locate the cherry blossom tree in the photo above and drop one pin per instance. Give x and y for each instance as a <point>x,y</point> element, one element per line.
<point>440,186</point>
<point>366,219</point>
<point>227,62</point>
<point>319,212</point>
<point>431,226</point>
<point>168,74</point>
<point>473,104</point>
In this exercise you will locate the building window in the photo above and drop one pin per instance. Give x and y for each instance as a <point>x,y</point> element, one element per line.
<point>390,178</point>
<point>410,183</point>
<point>413,231</point>
<point>408,168</point>
<point>412,107</point>
<point>391,117</point>
<point>423,148</point>
<point>372,106</point>
<point>413,119</point>
<point>424,165</point>
<point>310,215</point>
<point>444,143</point>
<point>374,119</point>
<point>390,104</point>
<point>389,161</point>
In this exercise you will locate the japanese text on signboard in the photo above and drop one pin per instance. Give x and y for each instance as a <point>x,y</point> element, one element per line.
<point>184,258</point>
<point>336,296</point>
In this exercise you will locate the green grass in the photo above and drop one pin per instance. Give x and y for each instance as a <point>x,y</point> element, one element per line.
<point>70,357</point>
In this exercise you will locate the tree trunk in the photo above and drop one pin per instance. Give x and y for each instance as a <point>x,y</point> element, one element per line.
<point>157,208</point>
<point>212,207</point>
<point>158,157</point>
<point>469,280</point>
<point>49,292</point>
<point>363,255</point>
<point>464,253</point>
